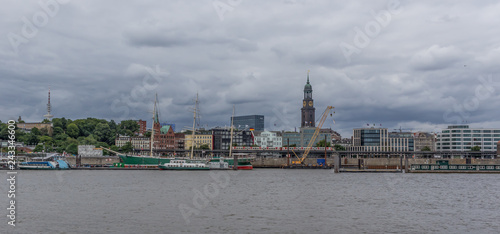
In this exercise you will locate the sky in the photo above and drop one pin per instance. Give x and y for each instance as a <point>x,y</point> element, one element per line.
<point>417,65</point>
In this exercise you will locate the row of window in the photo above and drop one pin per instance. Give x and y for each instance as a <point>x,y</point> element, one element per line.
<point>465,147</point>
<point>470,130</point>
<point>470,135</point>
<point>470,139</point>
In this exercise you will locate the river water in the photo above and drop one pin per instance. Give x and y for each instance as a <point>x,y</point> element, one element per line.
<point>258,201</point>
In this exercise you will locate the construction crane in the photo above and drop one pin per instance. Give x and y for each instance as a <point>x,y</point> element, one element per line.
<point>316,133</point>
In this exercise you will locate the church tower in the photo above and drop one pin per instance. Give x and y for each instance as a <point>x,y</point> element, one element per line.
<point>308,111</point>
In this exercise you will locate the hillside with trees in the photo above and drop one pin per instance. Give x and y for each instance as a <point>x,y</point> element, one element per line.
<point>68,134</point>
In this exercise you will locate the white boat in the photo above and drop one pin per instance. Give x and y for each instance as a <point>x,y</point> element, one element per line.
<point>178,164</point>
<point>218,165</point>
<point>51,162</point>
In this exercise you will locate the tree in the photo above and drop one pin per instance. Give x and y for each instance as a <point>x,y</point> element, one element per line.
<point>35,131</point>
<point>130,125</point>
<point>45,121</point>
<point>475,148</point>
<point>147,134</point>
<point>57,131</point>
<point>46,140</point>
<point>72,148</point>
<point>4,132</point>
<point>322,144</point>
<point>61,137</point>
<point>44,132</point>
<point>31,139</point>
<point>204,146</point>
<point>426,148</point>
<point>102,132</point>
<point>38,148</point>
<point>57,123</point>
<point>127,147</point>
<point>73,130</point>
<point>90,140</point>
<point>339,148</point>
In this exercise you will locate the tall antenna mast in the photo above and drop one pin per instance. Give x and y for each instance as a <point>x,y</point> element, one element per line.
<point>48,116</point>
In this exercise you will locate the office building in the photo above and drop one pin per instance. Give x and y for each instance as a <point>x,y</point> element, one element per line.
<point>255,122</point>
<point>463,138</point>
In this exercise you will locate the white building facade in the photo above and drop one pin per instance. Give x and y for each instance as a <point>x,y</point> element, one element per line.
<point>268,139</point>
<point>463,138</point>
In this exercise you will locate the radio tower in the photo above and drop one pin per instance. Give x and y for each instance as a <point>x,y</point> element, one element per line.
<point>48,116</point>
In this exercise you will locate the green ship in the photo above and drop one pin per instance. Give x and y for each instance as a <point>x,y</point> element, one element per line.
<point>130,160</point>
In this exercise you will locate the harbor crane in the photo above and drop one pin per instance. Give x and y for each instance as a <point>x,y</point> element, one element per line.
<point>315,135</point>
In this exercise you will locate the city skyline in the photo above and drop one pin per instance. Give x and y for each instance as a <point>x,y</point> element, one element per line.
<point>255,57</point>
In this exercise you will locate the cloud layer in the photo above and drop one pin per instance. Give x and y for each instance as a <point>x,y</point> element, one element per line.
<point>421,65</point>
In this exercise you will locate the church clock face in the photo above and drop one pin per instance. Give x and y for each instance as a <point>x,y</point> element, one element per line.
<point>310,103</point>
<point>304,103</point>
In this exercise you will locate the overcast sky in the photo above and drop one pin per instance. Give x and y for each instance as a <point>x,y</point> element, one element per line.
<point>415,64</point>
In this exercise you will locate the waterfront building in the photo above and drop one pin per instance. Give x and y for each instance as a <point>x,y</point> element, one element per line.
<point>222,138</point>
<point>200,138</point>
<point>463,138</point>
<point>255,122</point>
<point>179,140</point>
<point>142,127</point>
<point>164,138</point>
<point>268,139</point>
<point>138,142</point>
<point>424,140</point>
<point>379,139</point>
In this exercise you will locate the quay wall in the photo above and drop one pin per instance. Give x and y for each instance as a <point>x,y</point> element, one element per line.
<point>261,162</point>
<point>367,162</point>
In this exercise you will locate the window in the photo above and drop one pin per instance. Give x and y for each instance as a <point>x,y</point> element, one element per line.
<point>467,135</point>
<point>487,131</point>
<point>456,131</point>
<point>456,135</point>
<point>476,131</point>
<point>466,130</point>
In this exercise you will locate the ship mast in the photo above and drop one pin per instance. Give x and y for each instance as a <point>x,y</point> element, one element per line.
<point>231,140</point>
<point>153,128</point>
<point>194,122</point>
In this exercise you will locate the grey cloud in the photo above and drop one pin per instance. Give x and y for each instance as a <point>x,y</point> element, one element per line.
<point>94,55</point>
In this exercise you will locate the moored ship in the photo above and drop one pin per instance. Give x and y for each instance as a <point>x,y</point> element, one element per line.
<point>52,162</point>
<point>443,166</point>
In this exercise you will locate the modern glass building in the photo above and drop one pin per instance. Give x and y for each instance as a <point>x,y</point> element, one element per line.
<point>302,138</point>
<point>249,121</point>
<point>379,139</point>
<point>463,138</point>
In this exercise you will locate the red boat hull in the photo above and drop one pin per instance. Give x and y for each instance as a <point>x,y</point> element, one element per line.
<point>249,167</point>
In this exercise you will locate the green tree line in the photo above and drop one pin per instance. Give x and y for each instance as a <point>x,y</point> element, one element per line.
<point>68,134</point>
